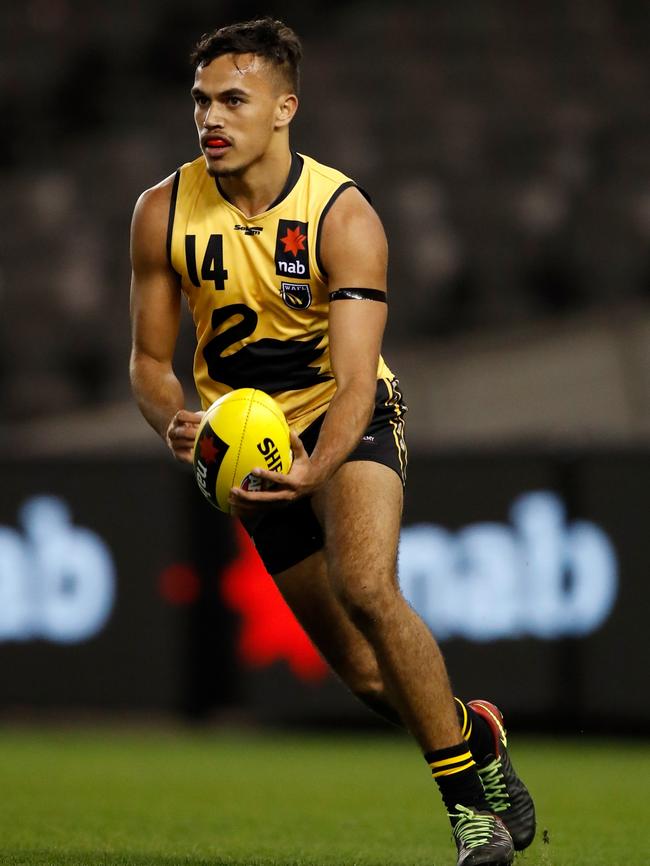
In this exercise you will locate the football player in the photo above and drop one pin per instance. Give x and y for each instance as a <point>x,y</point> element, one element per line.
<point>282,261</point>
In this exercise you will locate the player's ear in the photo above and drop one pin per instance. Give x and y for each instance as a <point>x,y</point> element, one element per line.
<point>286,107</point>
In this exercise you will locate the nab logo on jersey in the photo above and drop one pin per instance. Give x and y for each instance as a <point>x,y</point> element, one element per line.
<point>291,249</point>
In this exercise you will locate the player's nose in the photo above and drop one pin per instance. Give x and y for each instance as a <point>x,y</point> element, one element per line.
<point>213,118</point>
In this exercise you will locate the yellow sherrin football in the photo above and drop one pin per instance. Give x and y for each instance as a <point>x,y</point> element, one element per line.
<point>240,431</point>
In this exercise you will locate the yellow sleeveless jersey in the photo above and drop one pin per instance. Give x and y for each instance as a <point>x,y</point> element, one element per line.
<point>256,287</point>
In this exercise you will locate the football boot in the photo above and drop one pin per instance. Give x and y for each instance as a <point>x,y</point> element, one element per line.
<point>481,838</point>
<point>506,794</point>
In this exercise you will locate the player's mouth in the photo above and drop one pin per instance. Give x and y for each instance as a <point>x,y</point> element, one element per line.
<point>216,145</point>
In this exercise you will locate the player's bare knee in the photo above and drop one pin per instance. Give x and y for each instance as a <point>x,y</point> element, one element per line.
<point>368,603</point>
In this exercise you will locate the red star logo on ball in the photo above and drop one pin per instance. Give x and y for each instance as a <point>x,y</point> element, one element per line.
<point>294,241</point>
<point>208,449</point>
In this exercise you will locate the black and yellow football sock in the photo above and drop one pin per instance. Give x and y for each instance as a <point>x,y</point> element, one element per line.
<point>454,770</point>
<point>476,732</point>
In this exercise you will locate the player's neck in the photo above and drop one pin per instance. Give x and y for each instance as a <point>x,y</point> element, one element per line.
<point>259,186</point>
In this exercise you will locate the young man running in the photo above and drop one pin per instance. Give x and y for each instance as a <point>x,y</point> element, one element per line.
<point>282,261</point>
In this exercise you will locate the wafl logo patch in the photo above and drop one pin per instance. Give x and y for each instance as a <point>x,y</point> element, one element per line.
<point>291,249</point>
<point>297,296</point>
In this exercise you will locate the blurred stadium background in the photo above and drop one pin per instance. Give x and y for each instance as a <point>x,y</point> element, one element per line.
<point>506,146</point>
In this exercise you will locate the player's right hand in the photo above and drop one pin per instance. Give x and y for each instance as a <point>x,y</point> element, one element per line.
<point>181,434</point>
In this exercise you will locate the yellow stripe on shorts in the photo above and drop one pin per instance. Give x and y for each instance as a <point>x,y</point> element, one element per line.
<point>394,402</point>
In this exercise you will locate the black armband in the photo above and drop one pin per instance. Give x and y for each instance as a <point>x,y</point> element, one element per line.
<point>358,295</point>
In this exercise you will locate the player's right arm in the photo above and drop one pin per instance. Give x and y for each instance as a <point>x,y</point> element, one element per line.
<point>155,315</point>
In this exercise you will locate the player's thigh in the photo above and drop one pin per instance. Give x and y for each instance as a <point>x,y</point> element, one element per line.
<point>308,591</point>
<point>361,510</point>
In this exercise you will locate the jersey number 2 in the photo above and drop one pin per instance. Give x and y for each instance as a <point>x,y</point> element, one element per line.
<point>212,266</point>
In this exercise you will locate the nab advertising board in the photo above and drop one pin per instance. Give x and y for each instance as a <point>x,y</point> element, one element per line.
<point>121,588</point>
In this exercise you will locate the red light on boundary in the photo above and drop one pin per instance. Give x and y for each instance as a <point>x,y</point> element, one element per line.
<point>179,584</point>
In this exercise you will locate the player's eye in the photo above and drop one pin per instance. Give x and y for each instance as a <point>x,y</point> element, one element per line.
<point>234,100</point>
<point>202,101</point>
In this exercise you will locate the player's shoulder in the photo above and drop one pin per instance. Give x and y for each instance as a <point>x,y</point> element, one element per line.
<point>350,229</point>
<point>153,204</point>
<point>325,173</point>
<point>345,199</point>
<point>149,226</point>
<point>158,198</point>
<point>153,220</point>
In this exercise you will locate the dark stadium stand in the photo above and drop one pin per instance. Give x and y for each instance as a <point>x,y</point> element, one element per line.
<point>506,146</point>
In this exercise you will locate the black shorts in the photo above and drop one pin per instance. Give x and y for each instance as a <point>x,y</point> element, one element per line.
<point>286,536</point>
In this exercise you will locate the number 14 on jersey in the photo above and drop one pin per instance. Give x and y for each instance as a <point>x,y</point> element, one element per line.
<point>212,269</point>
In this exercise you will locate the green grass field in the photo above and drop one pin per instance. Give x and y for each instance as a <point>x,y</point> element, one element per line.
<point>136,798</point>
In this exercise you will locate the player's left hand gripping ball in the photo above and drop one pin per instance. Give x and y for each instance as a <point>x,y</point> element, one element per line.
<point>241,431</point>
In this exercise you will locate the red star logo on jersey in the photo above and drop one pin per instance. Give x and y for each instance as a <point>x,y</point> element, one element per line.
<point>208,449</point>
<point>294,241</point>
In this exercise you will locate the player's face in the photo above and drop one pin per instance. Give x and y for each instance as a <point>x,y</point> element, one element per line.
<point>237,105</point>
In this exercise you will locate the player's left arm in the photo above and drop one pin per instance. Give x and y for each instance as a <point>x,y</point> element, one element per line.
<point>354,254</point>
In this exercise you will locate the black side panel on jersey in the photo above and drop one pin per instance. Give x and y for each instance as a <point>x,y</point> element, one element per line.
<point>172,214</point>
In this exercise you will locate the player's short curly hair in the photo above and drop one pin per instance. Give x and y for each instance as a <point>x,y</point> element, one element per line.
<point>265,37</point>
